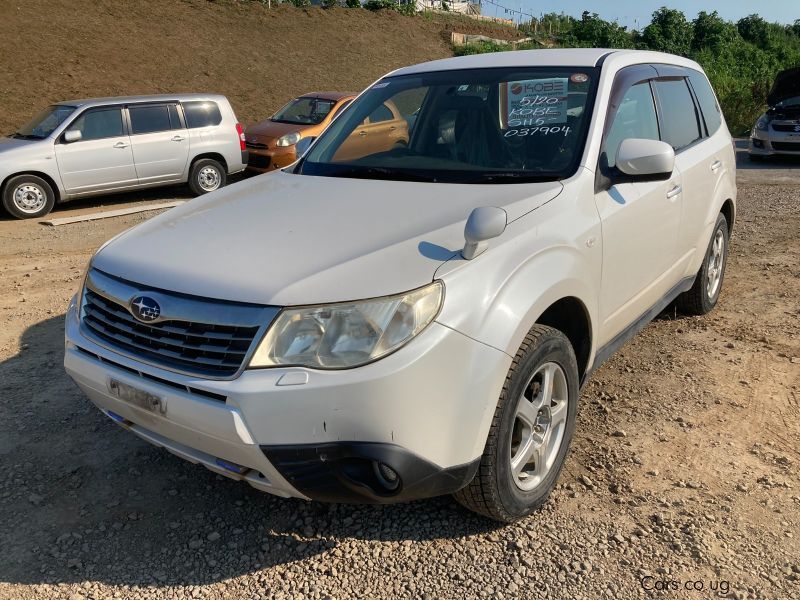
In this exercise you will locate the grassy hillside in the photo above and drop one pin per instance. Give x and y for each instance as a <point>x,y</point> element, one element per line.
<point>54,50</point>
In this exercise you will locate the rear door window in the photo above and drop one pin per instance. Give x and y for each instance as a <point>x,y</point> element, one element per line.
<point>679,126</point>
<point>149,119</point>
<point>707,101</point>
<point>97,124</point>
<point>203,113</point>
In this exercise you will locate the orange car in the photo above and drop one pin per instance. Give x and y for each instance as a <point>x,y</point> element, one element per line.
<point>271,143</point>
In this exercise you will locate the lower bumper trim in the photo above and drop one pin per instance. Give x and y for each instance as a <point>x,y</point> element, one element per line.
<point>356,472</point>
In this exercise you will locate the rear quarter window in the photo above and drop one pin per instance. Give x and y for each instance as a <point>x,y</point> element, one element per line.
<point>203,113</point>
<point>707,101</point>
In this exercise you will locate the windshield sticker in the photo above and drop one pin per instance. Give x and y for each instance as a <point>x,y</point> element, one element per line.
<point>579,78</point>
<point>536,102</point>
<point>380,85</point>
<point>541,130</point>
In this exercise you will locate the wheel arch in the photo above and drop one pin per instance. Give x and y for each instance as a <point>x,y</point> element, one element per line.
<point>729,210</point>
<point>570,316</point>
<point>59,195</point>
<point>212,155</point>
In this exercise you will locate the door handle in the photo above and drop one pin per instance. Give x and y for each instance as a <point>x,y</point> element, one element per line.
<point>362,133</point>
<point>674,191</point>
<point>120,145</point>
<point>178,138</point>
<point>716,165</point>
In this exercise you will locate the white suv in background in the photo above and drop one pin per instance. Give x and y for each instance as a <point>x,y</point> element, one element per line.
<point>397,324</point>
<point>86,147</point>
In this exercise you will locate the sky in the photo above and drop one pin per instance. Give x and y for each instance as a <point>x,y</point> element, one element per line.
<point>635,14</point>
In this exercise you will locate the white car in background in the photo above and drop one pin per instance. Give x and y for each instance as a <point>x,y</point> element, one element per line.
<point>777,131</point>
<point>419,321</point>
<point>83,148</point>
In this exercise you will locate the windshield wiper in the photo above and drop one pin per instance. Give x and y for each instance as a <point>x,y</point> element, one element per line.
<point>380,173</point>
<point>512,178</point>
<point>24,136</point>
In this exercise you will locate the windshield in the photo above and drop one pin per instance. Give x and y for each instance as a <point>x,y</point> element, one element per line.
<point>506,125</point>
<point>43,124</point>
<point>793,101</point>
<point>304,111</point>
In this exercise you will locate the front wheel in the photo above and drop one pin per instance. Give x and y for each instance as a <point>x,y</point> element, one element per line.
<point>28,197</point>
<point>531,430</point>
<point>206,176</point>
<point>704,294</point>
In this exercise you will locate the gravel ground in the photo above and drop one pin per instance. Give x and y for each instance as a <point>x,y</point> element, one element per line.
<point>684,470</point>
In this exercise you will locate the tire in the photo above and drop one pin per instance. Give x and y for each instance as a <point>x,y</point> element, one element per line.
<point>206,175</point>
<point>703,296</point>
<point>28,197</point>
<point>496,491</point>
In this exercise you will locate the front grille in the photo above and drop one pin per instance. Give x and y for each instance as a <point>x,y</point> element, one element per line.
<point>787,127</point>
<point>256,145</point>
<point>786,146</point>
<point>198,348</point>
<point>258,161</point>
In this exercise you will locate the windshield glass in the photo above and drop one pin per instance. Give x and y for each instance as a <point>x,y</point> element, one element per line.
<point>469,126</point>
<point>304,111</point>
<point>43,124</point>
<point>793,101</point>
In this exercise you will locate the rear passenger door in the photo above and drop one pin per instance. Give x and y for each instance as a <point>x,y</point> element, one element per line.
<point>160,142</point>
<point>683,128</point>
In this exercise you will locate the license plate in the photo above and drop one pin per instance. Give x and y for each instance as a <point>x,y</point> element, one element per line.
<point>137,397</point>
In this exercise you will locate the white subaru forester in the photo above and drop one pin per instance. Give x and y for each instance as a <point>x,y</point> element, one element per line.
<point>384,325</point>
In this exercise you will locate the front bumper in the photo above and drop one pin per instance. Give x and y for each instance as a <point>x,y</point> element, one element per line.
<point>770,142</point>
<point>264,160</point>
<point>423,412</point>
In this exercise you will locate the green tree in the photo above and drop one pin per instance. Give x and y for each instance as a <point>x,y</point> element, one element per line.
<point>669,31</point>
<point>593,32</point>
<point>711,31</point>
<point>755,30</point>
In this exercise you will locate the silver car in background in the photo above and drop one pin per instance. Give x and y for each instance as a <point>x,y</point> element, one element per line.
<point>85,147</point>
<point>777,131</point>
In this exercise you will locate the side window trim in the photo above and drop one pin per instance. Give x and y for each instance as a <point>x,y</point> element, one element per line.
<point>125,129</point>
<point>699,109</point>
<point>624,79</point>
<point>145,104</point>
<point>659,110</point>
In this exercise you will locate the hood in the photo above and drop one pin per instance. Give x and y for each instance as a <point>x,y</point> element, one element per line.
<point>284,239</point>
<point>786,85</point>
<point>266,131</point>
<point>7,144</point>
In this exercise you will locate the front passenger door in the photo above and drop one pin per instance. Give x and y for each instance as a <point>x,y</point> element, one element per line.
<point>640,223</point>
<point>102,159</point>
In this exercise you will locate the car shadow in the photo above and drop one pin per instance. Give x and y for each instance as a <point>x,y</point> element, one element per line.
<point>82,500</point>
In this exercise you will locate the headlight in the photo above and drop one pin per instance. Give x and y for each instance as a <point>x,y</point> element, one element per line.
<point>762,123</point>
<point>290,139</point>
<point>79,294</point>
<point>340,336</point>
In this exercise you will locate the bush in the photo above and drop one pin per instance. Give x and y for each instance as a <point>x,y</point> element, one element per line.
<point>352,3</point>
<point>301,3</point>
<point>380,5</point>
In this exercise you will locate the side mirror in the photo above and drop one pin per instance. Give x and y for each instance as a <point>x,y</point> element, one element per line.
<point>484,223</point>
<point>73,135</point>
<point>303,145</point>
<point>645,158</point>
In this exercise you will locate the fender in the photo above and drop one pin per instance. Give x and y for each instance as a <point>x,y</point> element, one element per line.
<point>500,297</point>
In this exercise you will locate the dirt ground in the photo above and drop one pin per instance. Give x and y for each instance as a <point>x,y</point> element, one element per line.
<point>53,50</point>
<point>684,470</point>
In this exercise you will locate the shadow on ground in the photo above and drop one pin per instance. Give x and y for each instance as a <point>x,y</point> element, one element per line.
<point>83,500</point>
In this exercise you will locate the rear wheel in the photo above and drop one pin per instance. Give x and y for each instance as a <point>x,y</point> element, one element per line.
<point>531,430</point>
<point>28,197</point>
<point>703,296</point>
<point>206,176</point>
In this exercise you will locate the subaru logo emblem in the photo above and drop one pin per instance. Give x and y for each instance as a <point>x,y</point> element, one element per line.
<point>145,309</point>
